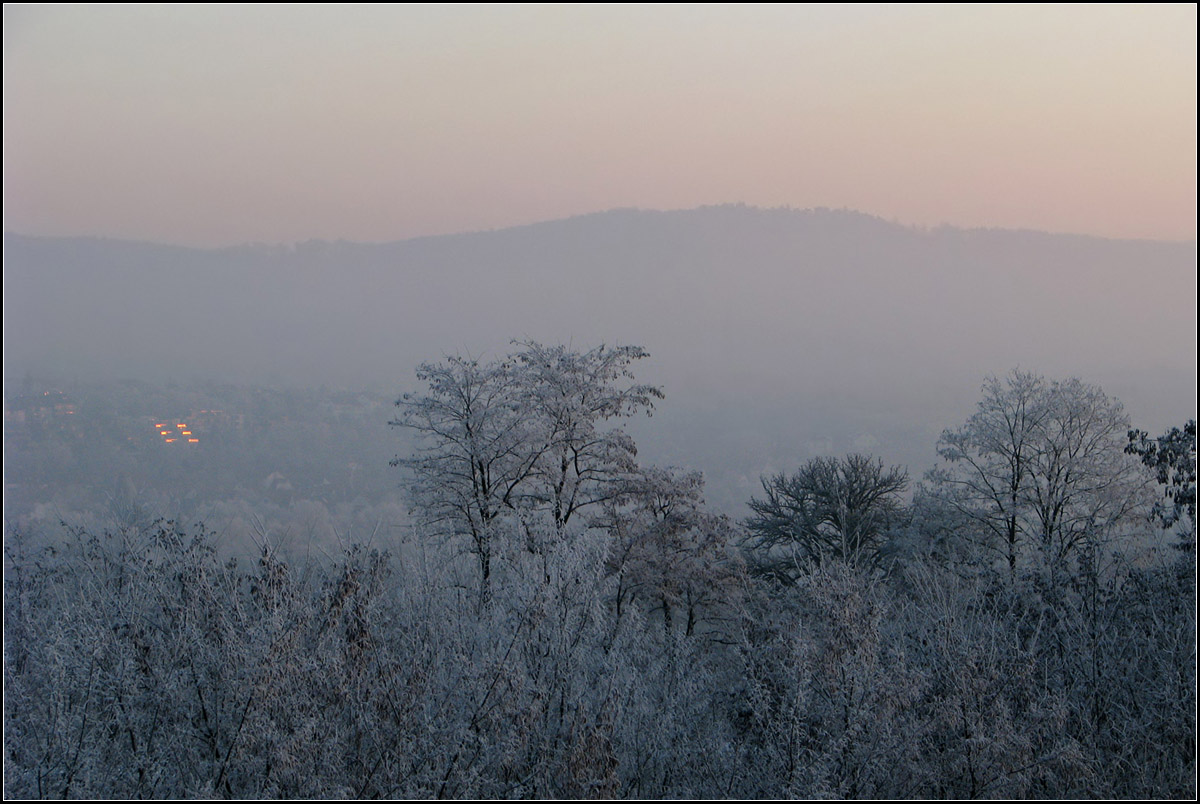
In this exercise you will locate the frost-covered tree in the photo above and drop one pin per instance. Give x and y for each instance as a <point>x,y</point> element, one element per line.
<point>1082,485</point>
<point>670,554</point>
<point>520,438</point>
<point>989,460</point>
<point>476,448</point>
<point>1172,458</point>
<point>566,396</point>
<point>1039,469</point>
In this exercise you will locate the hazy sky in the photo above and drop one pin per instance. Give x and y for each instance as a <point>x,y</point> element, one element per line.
<point>222,125</point>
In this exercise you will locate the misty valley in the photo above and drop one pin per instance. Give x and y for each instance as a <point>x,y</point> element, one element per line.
<point>717,503</point>
<point>310,463</point>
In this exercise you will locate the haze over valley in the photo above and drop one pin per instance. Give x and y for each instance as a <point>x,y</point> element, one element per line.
<point>777,335</point>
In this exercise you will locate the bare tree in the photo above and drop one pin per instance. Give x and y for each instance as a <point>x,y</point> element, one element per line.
<point>521,435</point>
<point>989,460</point>
<point>830,508</point>
<point>1082,484</point>
<point>1039,468</point>
<point>668,552</point>
<point>475,451</point>
<point>566,396</point>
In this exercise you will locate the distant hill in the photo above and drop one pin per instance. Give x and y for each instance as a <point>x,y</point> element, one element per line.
<point>777,334</point>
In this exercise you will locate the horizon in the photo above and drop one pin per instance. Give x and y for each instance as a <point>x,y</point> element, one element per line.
<point>737,205</point>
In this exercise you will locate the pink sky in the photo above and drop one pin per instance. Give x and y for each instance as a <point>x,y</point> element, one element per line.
<point>217,126</point>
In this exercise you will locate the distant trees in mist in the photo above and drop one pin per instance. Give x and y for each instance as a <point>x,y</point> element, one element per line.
<point>565,622</point>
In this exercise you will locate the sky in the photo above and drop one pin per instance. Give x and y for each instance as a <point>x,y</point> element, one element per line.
<point>210,126</point>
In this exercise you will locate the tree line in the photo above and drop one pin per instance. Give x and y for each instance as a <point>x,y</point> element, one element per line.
<point>565,622</point>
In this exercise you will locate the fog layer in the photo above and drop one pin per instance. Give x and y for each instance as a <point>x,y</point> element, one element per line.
<point>776,334</point>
